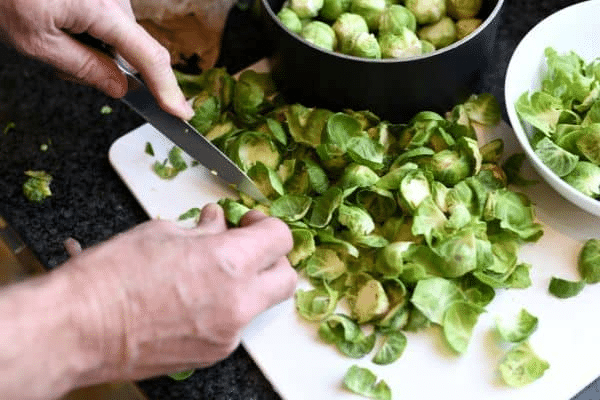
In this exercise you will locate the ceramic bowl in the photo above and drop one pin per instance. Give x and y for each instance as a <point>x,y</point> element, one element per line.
<point>574,28</point>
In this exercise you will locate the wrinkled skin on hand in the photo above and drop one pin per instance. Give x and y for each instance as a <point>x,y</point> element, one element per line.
<point>165,298</point>
<point>43,29</point>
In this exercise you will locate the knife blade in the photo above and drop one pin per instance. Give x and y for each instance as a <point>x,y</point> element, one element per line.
<point>185,136</point>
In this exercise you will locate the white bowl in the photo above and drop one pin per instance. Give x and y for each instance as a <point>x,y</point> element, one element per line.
<point>573,28</point>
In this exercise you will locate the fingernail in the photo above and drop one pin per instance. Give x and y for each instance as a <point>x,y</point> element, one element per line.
<point>113,88</point>
<point>187,110</point>
<point>209,213</point>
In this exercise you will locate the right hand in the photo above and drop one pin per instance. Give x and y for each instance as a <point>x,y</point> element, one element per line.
<point>42,29</point>
<point>170,299</point>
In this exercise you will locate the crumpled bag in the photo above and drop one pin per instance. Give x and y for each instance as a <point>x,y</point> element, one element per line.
<point>186,28</point>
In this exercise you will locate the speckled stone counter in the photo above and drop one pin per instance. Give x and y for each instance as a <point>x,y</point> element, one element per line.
<point>90,202</point>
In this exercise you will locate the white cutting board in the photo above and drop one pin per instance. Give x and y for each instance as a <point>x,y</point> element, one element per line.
<point>301,367</point>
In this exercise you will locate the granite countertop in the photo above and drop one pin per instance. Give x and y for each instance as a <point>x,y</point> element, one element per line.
<point>91,203</point>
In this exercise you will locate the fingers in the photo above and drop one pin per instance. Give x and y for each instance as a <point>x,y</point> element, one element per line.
<point>212,220</point>
<point>81,63</point>
<point>147,56</point>
<point>72,246</point>
<point>274,285</point>
<point>262,240</point>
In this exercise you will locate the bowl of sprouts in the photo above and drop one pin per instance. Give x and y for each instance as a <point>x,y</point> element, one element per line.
<point>552,95</point>
<point>392,57</point>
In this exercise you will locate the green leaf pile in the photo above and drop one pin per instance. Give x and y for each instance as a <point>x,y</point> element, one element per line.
<point>564,115</point>
<point>408,225</point>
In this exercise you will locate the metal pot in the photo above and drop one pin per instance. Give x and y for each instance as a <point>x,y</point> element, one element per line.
<point>394,89</point>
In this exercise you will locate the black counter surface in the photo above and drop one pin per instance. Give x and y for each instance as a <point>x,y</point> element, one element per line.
<point>91,203</point>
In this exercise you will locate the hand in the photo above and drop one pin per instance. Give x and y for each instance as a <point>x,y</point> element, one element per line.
<point>171,299</point>
<point>42,29</point>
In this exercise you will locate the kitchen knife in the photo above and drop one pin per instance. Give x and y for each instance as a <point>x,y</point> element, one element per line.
<point>185,136</point>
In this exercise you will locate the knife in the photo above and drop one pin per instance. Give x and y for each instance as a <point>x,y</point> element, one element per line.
<point>185,136</point>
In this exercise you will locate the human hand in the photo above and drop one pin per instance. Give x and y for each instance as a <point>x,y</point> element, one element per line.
<point>42,29</point>
<point>168,299</point>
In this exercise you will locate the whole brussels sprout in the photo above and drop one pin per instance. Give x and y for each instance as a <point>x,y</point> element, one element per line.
<point>306,8</point>
<point>405,44</point>
<point>440,34</point>
<point>460,9</point>
<point>426,47</point>
<point>465,26</point>
<point>427,11</point>
<point>394,17</point>
<point>370,10</point>
<point>320,34</point>
<point>290,19</point>
<point>346,27</point>
<point>332,9</point>
<point>365,45</point>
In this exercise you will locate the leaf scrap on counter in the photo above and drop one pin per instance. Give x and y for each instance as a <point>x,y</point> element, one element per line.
<point>519,328</point>
<point>37,186</point>
<point>364,382</point>
<point>522,366</point>
<point>588,264</point>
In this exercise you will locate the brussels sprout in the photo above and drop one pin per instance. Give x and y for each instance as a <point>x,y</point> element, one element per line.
<point>405,44</point>
<point>492,151</point>
<point>251,95</point>
<point>365,45</point>
<point>414,188</point>
<point>464,27</point>
<point>394,17</point>
<point>304,246</point>
<point>356,175</point>
<point>522,366</point>
<point>560,161</point>
<point>588,261</point>
<point>306,8</point>
<point>460,9</point>
<point>371,302</point>
<point>251,147</point>
<point>426,47</point>
<point>290,19</point>
<point>325,264</point>
<point>356,219</point>
<point>37,186</point>
<point>206,111</point>
<point>483,108</point>
<point>346,27</point>
<point>440,34</point>
<point>585,177</point>
<point>370,10</point>
<point>589,143</point>
<point>233,210</point>
<point>450,167</point>
<point>320,34</point>
<point>427,11</point>
<point>332,9</point>
<point>266,180</point>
